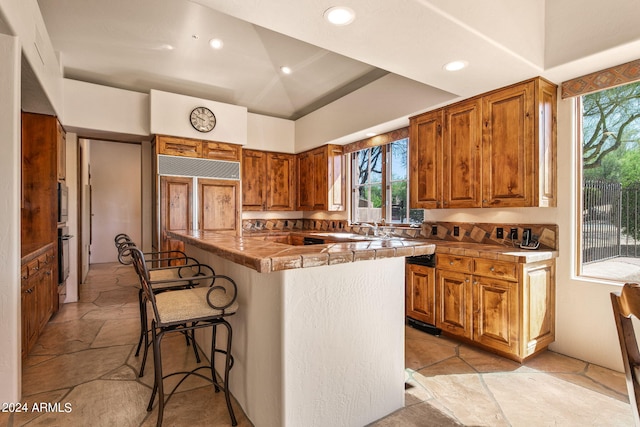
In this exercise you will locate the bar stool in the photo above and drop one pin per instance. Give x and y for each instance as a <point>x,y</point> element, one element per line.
<point>189,309</point>
<point>187,268</point>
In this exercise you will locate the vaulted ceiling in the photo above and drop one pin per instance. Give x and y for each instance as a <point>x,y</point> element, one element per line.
<point>144,44</point>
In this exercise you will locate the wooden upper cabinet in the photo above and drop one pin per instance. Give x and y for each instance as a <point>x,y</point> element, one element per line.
<point>219,205</point>
<point>221,151</point>
<point>425,153</point>
<point>187,147</point>
<point>321,179</point>
<point>268,181</point>
<point>508,151</point>
<point>462,155</point>
<point>498,150</point>
<point>175,146</point>
<point>254,175</point>
<point>281,182</point>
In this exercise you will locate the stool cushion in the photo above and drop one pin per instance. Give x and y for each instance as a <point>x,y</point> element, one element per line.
<point>191,304</point>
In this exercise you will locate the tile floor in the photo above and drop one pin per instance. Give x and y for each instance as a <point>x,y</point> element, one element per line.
<point>85,358</point>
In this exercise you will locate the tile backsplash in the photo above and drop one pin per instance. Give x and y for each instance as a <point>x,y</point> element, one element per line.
<point>485,233</point>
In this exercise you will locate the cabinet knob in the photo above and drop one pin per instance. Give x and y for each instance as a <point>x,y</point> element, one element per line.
<point>450,262</point>
<point>466,280</point>
<point>492,269</point>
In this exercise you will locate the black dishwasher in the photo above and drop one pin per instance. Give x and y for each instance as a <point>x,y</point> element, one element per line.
<point>430,262</point>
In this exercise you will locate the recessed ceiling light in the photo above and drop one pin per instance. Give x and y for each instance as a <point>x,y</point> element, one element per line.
<point>370,134</point>
<point>195,36</point>
<point>216,43</point>
<point>455,65</point>
<point>339,15</point>
<point>285,69</point>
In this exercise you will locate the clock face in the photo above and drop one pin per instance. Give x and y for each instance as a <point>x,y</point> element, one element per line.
<point>202,119</point>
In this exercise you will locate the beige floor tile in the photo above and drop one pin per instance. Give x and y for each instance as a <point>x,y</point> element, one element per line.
<point>198,408</point>
<point>607,378</point>
<point>536,399</point>
<point>67,337</point>
<point>117,332</point>
<point>419,415</point>
<point>101,403</point>
<point>72,369</point>
<point>24,418</point>
<point>414,391</point>
<point>72,311</point>
<point>451,366</point>
<point>549,361</point>
<point>424,352</point>
<point>483,361</point>
<point>117,296</point>
<point>466,398</point>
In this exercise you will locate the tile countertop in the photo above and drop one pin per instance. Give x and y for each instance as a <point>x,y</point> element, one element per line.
<point>264,256</point>
<point>253,250</point>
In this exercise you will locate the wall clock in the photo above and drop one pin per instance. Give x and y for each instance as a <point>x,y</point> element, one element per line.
<point>202,119</point>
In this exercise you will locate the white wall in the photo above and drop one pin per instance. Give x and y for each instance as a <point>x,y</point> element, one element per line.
<point>170,116</point>
<point>116,196</point>
<point>10,164</point>
<point>102,108</point>
<point>85,194</point>
<point>270,134</point>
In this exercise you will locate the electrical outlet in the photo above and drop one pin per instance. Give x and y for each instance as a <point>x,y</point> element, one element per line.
<point>499,233</point>
<point>434,230</point>
<point>513,234</point>
<point>456,230</point>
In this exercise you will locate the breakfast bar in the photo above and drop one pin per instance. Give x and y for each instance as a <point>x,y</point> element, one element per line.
<point>319,336</point>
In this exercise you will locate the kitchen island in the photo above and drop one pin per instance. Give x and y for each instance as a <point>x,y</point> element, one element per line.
<point>319,336</point>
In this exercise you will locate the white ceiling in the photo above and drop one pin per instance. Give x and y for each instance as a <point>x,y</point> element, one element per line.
<point>121,43</point>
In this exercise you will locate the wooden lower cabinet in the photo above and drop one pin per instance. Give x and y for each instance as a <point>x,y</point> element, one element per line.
<point>175,209</point>
<point>219,205</point>
<point>504,307</point>
<point>39,294</point>
<point>420,293</point>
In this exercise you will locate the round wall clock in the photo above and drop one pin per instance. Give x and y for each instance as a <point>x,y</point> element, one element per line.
<point>202,119</point>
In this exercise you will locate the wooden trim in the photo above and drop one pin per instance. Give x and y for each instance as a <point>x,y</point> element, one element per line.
<point>374,141</point>
<point>604,79</point>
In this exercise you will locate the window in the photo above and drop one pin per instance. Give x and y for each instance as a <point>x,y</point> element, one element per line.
<point>610,196</point>
<point>380,185</point>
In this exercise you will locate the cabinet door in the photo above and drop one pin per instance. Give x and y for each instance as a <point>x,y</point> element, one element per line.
<point>183,147</point>
<point>320,185</point>
<point>453,313</point>
<point>44,301</point>
<point>219,205</point>
<point>28,311</point>
<point>420,293</point>
<point>254,174</point>
<point>461,155</point>
<point>175,209</point>
<point>425,161</point>
<point>496,320</point>
<point>508,147</point>
<point>220,151</point>
<point>306,181</point>
<point>281,182</point>
<point>538,287</point>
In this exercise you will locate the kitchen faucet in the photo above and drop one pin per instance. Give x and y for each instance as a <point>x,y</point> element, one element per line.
<point>374,227</point>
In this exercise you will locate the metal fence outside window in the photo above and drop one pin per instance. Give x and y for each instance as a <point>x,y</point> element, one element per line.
<point>609,221</point>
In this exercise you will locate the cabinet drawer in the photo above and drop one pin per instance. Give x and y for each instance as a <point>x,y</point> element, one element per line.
<point>179,147</point>
<point>43,260</point>
<point>24,272</point>
<point>33,266</point>
<point>452,262</point>
<point>497,269</point>
<point>220,151</point>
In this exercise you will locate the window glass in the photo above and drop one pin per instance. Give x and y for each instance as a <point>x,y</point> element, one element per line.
<point>380,185</point>
<point>610,217</point>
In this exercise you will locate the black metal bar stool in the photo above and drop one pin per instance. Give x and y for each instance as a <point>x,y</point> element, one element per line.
<point>187,310</point>
<point>187,268</point>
